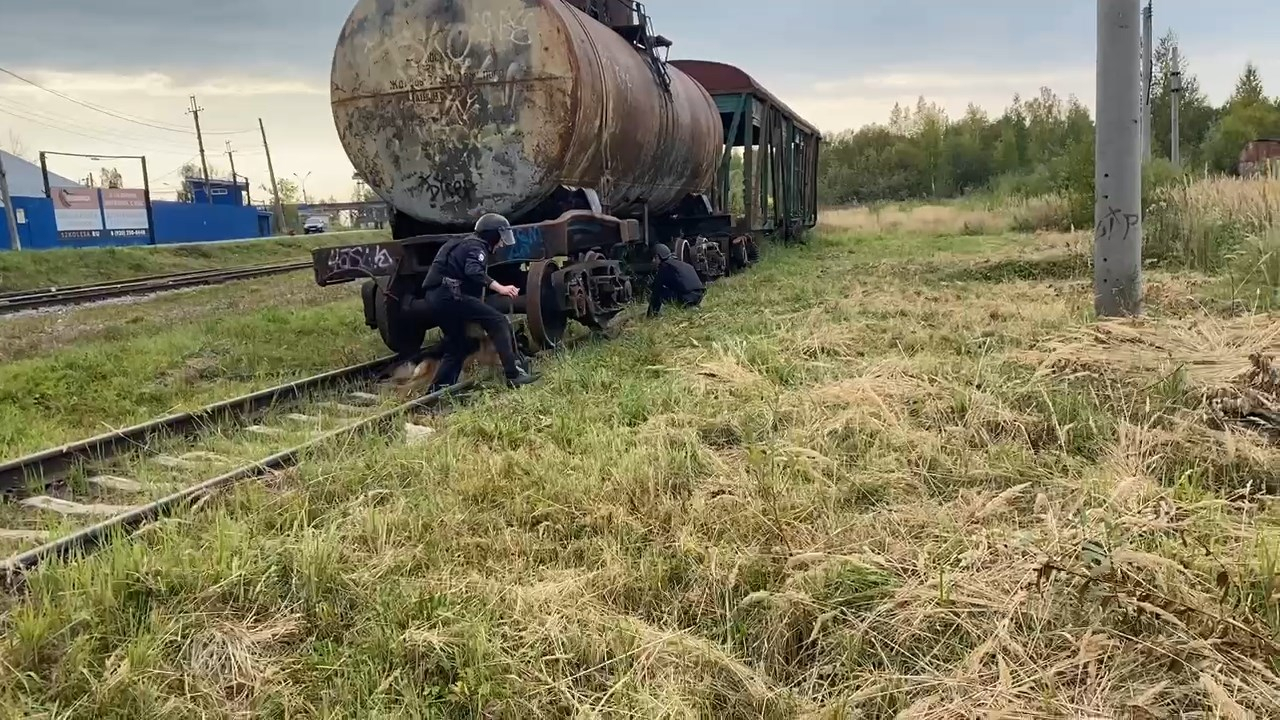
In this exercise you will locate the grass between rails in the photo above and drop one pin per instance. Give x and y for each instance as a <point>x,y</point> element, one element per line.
<point>45,268</point>
<point>861,482</point>
<point>187,355</point>
<point>28,335</point>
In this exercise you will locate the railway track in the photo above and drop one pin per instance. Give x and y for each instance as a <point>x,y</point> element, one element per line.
<point>16,301</point>
<point>76,495</point>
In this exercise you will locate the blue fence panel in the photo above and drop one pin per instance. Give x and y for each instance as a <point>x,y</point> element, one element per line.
<point>36,228</point>
<point>192,222</point>
<point>174,222</point>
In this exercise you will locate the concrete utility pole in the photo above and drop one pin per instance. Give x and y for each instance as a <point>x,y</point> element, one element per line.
<point>231,157</point>
<point>271,170</point>
<point>1117,247</point>
<point>1175,95</point>
<point>235,179</point>
<point>10,214</point>
<point>1148,42</point>
<point>204,163</point>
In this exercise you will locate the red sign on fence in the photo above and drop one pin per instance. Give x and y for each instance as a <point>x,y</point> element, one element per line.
<point>77,212</point>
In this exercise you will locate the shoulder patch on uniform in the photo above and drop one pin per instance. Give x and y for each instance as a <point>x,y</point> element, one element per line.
<point>481,256</point>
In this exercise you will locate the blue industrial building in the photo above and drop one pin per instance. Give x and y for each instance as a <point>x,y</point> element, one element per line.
<point>219,212</point>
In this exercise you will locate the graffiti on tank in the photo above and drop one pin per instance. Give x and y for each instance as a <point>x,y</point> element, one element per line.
<point>365,258</point>
<point>529,244</point>
<point>439,188</point>
<point>463,77</point>
<point>469,48</point>
<point>488,29</point>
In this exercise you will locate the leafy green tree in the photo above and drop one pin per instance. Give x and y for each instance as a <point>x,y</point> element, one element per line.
<point>1037,145</point>
<point>1248,90</point>
<point>1241,124</point>
<point>930,134</point>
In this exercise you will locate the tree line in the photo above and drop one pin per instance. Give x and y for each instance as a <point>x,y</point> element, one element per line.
<point>1039,145</point>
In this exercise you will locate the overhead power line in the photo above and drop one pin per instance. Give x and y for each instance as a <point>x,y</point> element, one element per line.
<point>95,138</point>
<point>168,144</point>
<point>113,113</point>
<point>178,169</point>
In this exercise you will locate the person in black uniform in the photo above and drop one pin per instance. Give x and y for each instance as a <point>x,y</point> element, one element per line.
<point>455,284</point>
<point>675,282</point>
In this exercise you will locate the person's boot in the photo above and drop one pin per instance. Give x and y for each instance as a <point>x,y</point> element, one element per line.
<point>521,379</point>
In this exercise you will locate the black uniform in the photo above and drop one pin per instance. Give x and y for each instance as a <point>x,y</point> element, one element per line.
<point>675,281</point>
<point>455,283</point>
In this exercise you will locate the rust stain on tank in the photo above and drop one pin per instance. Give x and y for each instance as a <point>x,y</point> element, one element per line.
<point>451,108</point>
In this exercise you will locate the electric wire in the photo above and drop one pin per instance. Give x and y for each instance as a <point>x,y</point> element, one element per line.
<point>116,114</point>
<point>95,138</point>
<point>111,135</point>
<point>105,135</point>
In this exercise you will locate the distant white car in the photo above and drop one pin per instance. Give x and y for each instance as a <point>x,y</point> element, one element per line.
<point>315,224</point>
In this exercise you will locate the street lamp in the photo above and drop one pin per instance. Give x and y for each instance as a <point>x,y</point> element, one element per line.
<point>302,181</point>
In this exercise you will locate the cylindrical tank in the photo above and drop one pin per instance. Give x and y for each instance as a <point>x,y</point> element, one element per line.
<point>453,108</point>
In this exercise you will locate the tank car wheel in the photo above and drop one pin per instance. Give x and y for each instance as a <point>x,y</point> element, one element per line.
<point>399,332</point>
<point>738,258</point>
<point>546,321</point>
<point>683,250</point>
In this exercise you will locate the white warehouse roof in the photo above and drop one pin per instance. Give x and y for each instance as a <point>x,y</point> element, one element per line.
<point>25,179</point>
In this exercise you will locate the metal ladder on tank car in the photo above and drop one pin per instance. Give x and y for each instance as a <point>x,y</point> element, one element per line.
<point>640,34</point>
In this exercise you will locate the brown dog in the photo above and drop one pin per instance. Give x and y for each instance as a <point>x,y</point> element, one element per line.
<point>409,379</point>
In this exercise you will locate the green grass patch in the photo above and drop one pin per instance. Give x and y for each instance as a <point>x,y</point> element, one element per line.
<point>125,377</point>
<point>28,270</point>
<point>838,490</point>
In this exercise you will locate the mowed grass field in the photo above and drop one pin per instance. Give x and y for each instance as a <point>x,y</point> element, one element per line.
<point>880,475</point>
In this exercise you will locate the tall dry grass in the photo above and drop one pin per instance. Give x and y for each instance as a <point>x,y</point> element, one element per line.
<point>1204,223</point>
<point>988,217</point>
<point>1220,225</point>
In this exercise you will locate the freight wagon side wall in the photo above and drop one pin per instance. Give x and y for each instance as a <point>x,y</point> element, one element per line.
<point>174,223</point>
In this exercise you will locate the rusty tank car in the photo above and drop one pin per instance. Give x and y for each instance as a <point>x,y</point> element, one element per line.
<point>452,109</point>
<point>559,114</point>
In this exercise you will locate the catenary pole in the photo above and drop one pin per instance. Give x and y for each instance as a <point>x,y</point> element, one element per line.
<point>271,170</point>
<point>204,162</point>
<point>1148,42</point>
<point>1175,111</point>
<point>1117,250</point>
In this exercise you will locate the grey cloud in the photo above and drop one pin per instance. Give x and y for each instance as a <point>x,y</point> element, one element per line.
<point>182,38</point>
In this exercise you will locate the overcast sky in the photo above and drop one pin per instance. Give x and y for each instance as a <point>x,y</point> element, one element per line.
<point>840,63</point>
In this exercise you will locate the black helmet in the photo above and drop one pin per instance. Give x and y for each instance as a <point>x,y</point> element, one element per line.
<point>495,229</point>
<point>662,251</point>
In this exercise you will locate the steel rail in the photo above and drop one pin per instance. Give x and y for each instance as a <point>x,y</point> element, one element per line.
<point>125,281</point>
<point>51,297</point>
<point>55,462</point>
<point>16,566</point>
